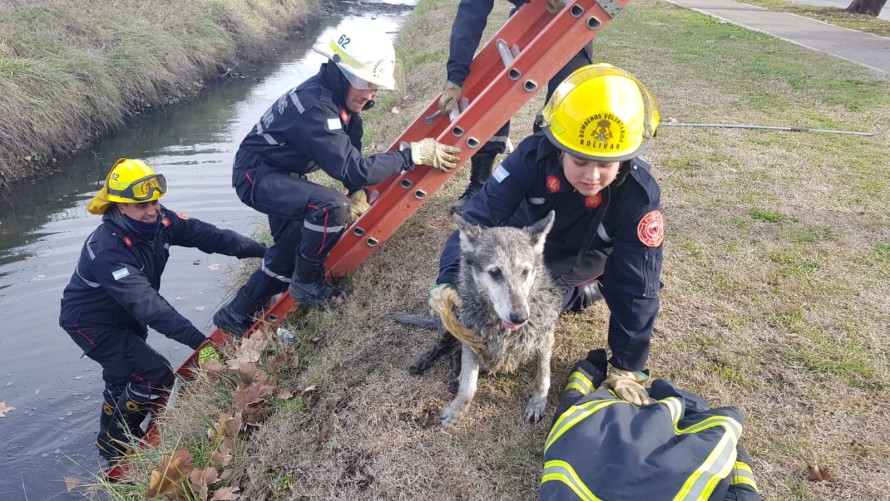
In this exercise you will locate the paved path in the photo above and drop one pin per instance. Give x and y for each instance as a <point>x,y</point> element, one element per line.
<point>871,51</point>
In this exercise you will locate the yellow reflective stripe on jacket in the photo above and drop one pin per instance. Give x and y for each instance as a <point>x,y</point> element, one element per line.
<point>560,471</point>
<point>742,475</point>
<point>718,465</point>
<point>578,381</point>
<point>574,415</point>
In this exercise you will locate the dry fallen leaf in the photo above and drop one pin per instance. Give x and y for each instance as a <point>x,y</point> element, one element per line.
<point>819,474</point>
<point>5,408</point>
<point>72,483</point>
<point>225,494</point>
<point>202,479</point>
<point>285,394</point>
<point>220,459</point>
<point>308,389</point>
<point>169,478</point>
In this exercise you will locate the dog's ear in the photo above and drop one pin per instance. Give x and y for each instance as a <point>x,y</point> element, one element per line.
<point>538,231</point>
<point>469,234</point>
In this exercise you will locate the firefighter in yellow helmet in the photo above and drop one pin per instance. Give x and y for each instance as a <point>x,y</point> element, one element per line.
<point>113,296</point>
<point>606,241</point>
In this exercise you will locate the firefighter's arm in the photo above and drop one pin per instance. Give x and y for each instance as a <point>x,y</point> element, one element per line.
<point>123,280</point>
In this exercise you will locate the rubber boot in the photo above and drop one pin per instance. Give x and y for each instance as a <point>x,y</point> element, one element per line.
<point>308,286</point>
<point>109,402</point>
<point>480,172</point>
<point>123,426</point>
<point>237,317</point>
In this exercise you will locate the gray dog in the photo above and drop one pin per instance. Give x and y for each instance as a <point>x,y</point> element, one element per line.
<point>511,305</point>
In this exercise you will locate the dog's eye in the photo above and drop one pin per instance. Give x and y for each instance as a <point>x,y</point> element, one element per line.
<point>495,273</point>
<point>525,272</point>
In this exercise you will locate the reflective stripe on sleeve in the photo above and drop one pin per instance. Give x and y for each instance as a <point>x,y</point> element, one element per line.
<point>560,471</point>
<point>578,381</point>
<point>718,465</point>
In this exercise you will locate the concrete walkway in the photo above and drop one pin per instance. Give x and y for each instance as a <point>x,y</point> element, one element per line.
<point>871,51</point>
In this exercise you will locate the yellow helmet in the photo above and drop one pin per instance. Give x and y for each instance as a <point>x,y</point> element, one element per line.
<point>130,181</point>
<point>600,113</point>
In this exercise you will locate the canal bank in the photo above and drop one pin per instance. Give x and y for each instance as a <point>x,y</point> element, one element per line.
<point>72,72</point>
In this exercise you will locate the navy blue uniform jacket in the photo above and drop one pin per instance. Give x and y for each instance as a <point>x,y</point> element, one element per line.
<point>601,447</point>
<point>591,236</point>
<point>309,128</point>
<point>116,281</point>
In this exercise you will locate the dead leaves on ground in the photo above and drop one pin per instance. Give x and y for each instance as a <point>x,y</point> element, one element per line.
<point>177,477</point>
<point>817,474</point>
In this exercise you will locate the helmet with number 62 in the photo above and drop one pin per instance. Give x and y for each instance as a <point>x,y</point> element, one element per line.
<point>367,60</point>
<point>129,181</point>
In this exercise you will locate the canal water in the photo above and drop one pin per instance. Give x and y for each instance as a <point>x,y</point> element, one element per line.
<point>43,223</point>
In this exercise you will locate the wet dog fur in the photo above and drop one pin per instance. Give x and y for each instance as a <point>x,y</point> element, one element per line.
<point>511,304</point>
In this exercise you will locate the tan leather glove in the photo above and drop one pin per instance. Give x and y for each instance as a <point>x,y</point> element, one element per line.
<point>628,385</point>
<point>436,155</point>
<point>358,206</point>
<point>451,94</point>
<point>554,6</point>
<point>440,297</point>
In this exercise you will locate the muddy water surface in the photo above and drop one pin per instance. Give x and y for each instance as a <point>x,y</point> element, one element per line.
<point>43,224</point>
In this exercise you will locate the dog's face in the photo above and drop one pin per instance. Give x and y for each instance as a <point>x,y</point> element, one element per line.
<point>504,263</point>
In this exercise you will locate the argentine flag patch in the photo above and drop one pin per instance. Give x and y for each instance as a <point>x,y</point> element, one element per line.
<point>334,124</point>
<point>500,173</point>
<point>121,273</point>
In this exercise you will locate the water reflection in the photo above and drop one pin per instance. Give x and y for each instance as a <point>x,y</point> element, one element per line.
<point>44,222</point>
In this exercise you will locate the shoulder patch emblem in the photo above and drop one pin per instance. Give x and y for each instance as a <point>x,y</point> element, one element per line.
<point>182,216</point>
<point>500,173</point>
<point>651,229</point>
<point>127,241</point>
<point>553,183</point>
<point>593,201</point>
<point>121,273</point>
<point>334,124</point>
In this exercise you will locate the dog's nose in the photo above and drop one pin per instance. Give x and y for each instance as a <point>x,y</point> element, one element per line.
<point>517,317</point>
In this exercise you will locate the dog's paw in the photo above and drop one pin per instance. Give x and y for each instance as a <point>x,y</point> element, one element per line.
<point>453,413</point>
<point>420,365</point>
<point>534,411</point>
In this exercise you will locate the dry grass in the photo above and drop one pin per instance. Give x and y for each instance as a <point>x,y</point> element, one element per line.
<point>71,71</point>
<point>777,265</point>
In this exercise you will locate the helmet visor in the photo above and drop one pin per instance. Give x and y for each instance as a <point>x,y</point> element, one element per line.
<point>358,83</point>
<point>143,188</point>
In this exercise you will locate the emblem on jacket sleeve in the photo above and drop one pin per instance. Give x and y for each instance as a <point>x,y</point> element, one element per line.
<point>552,183</point>
<point>593,201</point>
<point>651,229</point>
<point>182,216</point>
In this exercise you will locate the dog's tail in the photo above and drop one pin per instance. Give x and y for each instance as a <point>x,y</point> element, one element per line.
<point>423,321</point>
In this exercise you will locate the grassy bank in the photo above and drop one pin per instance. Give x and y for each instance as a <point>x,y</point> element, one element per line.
<point>71,71</point>
<point>830,15</point>
<point>777,265</point>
